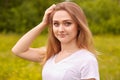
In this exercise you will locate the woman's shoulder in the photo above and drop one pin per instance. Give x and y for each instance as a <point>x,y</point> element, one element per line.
<point>85,55</point>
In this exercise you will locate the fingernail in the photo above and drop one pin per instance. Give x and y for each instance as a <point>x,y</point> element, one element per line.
<point>54,5</point>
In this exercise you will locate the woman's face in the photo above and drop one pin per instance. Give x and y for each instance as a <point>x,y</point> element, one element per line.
<point>64,28</point>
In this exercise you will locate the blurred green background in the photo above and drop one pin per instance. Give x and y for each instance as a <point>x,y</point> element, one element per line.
<point>19,16</point>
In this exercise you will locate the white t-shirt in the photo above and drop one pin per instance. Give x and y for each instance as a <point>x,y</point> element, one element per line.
<point>80,65</point>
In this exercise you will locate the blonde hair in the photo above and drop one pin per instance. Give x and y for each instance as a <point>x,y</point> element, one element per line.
<point>84,37</point>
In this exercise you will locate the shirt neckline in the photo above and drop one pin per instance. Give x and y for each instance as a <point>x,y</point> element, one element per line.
<point>66,57</point>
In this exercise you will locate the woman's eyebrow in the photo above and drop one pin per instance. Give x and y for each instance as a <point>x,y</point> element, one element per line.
<point>62,20</point>
<point>68,20</point>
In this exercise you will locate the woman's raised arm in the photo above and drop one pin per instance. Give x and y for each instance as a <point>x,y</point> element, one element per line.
<point>22,47</point>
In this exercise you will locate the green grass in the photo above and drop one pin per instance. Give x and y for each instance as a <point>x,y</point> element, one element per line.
<point>109,60</point>
<point>15,68</point>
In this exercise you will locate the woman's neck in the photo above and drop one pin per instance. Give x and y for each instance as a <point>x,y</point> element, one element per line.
<point>70,47</point>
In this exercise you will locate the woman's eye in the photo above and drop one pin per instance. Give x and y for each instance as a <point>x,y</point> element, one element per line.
<point>67,23</point>
<point>56,24</point>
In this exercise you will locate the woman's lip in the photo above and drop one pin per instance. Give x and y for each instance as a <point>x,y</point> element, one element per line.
<point>62,35</point>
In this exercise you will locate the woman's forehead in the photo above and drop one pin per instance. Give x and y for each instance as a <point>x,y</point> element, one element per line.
<point>61,15</point>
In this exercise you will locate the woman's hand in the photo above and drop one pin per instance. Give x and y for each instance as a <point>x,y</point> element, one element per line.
<point>47,14</point>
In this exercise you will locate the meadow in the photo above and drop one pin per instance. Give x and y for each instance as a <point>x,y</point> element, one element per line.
<point>15,68</point>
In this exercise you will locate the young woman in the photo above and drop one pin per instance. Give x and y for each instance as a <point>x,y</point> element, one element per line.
<point>70,54</point>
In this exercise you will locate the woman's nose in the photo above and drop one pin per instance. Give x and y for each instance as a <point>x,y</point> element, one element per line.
<point>61,28</point>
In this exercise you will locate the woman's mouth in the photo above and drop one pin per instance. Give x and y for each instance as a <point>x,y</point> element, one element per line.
<point>61,35</point>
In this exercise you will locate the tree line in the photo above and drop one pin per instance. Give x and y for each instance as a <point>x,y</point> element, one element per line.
<point>19,16</point>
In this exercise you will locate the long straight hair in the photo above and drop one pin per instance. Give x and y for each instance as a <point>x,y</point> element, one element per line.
<point>84,37</point>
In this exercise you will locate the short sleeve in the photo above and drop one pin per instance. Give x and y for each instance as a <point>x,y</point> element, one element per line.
<point>90,69</point>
